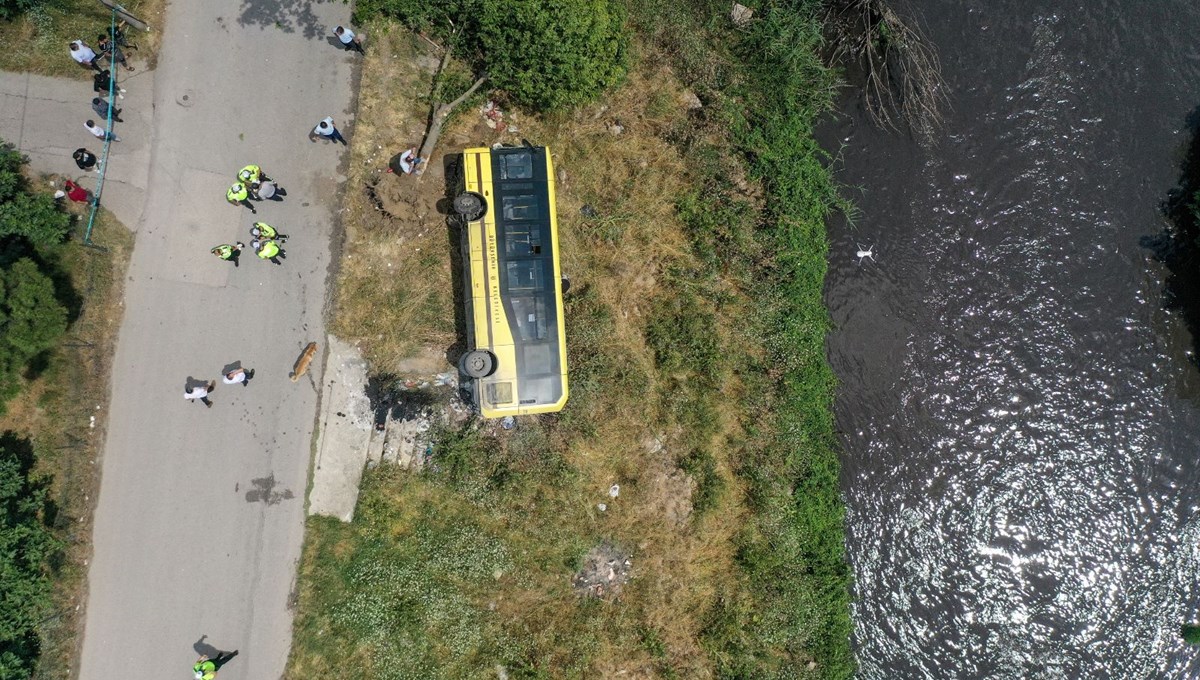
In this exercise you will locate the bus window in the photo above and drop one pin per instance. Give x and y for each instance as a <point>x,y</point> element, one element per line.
<point>525,275</point>
<point>516,165</point>
<point>530,317</point>
<point>522,239</point>
<point>523,207</point>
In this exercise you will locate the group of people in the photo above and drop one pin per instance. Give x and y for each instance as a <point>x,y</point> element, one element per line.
<point>107,47</point>
<point>253,183</point>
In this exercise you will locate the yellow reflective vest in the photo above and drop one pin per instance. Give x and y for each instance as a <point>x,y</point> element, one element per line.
<point>237,193</point>
<point>268,250</point>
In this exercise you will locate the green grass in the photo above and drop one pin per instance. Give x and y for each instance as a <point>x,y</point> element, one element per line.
<point>37,41</point>
<point>695,330</point>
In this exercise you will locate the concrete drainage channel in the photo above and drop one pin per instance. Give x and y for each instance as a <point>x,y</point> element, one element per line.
<point>362,426</point>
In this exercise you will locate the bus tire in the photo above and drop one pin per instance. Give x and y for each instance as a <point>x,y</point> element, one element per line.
<point>470,205</point>
<point>478,364</point>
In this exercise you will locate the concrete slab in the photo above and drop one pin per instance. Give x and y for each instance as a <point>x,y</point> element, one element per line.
<point>345,433</point>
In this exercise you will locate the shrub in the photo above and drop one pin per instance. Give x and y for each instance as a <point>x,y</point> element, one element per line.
<point>26,545</point>
<point>31,321</point>
<point>551,54</point>
<point>10,9</point>
<point>22,213</point>
<point>547,54</point>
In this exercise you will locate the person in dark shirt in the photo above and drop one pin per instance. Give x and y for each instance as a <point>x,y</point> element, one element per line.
<point>86,160</point>
<point>103,80</point>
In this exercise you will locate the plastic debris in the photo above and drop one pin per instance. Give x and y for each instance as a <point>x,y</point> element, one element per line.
<point>614,490</point>
<point>508,423</point>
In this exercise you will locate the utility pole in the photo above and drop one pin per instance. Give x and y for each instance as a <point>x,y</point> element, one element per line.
<point>124,14</point>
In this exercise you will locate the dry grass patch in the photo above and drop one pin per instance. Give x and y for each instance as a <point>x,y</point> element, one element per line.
<point>37,40</point>
<point>534,492</point>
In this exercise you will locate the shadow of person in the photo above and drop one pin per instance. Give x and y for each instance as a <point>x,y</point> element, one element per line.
<point>204,649</point>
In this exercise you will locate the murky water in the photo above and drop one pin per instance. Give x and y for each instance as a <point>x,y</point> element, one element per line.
<point>1020,416</point>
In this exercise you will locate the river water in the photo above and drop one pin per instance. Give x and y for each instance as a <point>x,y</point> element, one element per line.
<point>1020,414</point>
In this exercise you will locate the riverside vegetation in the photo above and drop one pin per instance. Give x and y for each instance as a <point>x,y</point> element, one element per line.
<point>692,207</point>
<point>59,306</point>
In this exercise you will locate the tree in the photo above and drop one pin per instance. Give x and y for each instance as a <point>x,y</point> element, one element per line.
<point>26,545</point>
<point>22,213</point>
<point>10,9</point>
<point>31,320</point>
<point>551,54</point>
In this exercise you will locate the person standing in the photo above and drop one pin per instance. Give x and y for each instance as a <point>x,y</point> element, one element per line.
<point>102,108</point>
<point>349,40</point>
<point>112,51</point>
<point>327,130</point>
<point>229,252</point>
<point>86,160</point>
<point>83,54</point>
<point>251,175</point>
<point>268,250</point>
<point>238,375</point>
<point>261,231</point>
<point>206,668</point>
<point>238,194</point>
<point>199,392</point>
<point>100,132</point>
<point>102,81</point>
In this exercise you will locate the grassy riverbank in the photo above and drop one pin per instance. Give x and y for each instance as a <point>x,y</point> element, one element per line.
<point>692,211</point>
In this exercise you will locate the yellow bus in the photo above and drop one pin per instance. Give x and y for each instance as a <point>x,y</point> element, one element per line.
<point>517,349</point>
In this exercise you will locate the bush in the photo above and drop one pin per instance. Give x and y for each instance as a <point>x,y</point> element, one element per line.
<point>546,54</point>
<point>10,9</point>
<point>551,54</point>
<point>31,321</point>
<point>26,545</point>
<point>22,213</point>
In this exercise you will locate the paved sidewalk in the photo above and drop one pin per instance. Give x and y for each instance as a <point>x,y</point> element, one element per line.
<point>44,118</point>
<point>201,511</point>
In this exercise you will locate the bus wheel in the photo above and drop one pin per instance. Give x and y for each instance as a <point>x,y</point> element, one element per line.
<point>478,364</point>
<point>470,205</point>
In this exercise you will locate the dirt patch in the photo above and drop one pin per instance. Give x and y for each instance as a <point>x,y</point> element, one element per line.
<point>606,569</point>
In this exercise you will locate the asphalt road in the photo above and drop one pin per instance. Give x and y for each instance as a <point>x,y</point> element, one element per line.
<point>200,517</point>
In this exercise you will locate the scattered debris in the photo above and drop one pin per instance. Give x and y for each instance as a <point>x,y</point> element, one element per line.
<point>615,128</point>
<point>605,570</point>
<point>508,422</point>
<point>602,507</point>
<point>614,490</point>
<point>692,101</point>
<point>588,211</point>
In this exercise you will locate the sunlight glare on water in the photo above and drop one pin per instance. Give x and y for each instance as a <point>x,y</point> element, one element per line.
<point>1019,460</point>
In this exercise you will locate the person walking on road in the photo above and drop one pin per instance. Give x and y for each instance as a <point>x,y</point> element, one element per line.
<point>100,133</point>
<point>86,160</point>
<point>102,107</point>
<point>206,668</point>
<point>238,375</point>
<point>327,130</point>
<point>229,252</point>
<point>261,231</point>
<point>83,54</point>
<point>238,194</point>
<point>102,81</point>
<point>199,392</point>
<point>349,40</point>
<point>269,250</point>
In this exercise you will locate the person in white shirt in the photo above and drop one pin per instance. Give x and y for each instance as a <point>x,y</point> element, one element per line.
<point>100,132</point>
<point>327,130</point>
<point>238,375</point>
<point>83,54</point>
<point>349,40</point>
<point>199,392</point>
<point>409,161</point>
